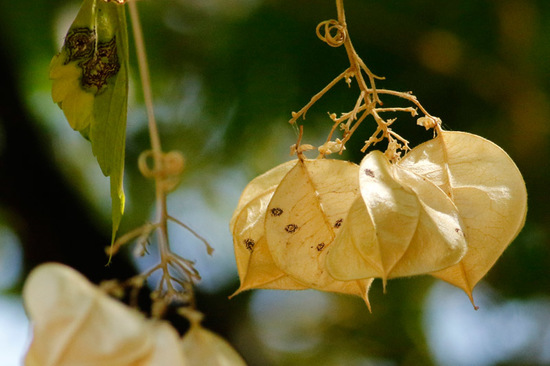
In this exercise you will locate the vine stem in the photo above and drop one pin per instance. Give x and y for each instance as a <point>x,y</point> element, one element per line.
<point>368,103</point>
<point>357,65</point>
<point>145,78</point>
<point>160,193</point>
<point>352,55</point>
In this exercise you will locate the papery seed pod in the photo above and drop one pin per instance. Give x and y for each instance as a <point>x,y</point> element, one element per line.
<point>401,225</point>
<point>488,190</point>
<point>202,347</point>
<point>254,262</point>
<point>312,198</point>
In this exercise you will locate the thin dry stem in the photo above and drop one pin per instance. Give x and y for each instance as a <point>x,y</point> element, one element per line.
<point>144,75</point>
<point>335,34</point>
<point>142,231</point>
<point>302,112</point>
<point>209,248</point>
<point>171,286</point>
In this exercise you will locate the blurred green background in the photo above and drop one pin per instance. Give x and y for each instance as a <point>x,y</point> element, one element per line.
<point>226,76</point>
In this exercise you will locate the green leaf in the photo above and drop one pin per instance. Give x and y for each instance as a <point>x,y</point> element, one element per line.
<point>90,85</point>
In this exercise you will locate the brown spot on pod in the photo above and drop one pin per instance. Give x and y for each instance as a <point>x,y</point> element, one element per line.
<point>291,228</point>
<point>249,244</point>
<point>276,211</point>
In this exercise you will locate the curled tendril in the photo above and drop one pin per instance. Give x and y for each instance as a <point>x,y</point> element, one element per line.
<point>168,173</point>
<point>334,33</point>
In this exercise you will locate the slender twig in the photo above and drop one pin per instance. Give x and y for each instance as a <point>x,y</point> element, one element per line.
<point>143,230</point>
<point>209,248</point>
<point>335,33</point>
<point>145,78</point>
<point>302,112</point>
<point>168,260</point>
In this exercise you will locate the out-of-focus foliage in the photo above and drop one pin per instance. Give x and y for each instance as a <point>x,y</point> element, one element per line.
<point>226,76</point>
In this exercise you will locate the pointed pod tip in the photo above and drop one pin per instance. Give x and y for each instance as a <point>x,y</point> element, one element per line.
<point>368,305</point>
<point>476,308</point>
<point>239,291</point>
<point>471,297</point>
<point>234,294</point>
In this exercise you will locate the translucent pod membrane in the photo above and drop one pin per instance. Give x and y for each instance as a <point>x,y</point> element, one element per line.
<point>449,208</point>
<point>254,262</point>
<point>488,190</point>
<point>400,225</point>
<point>76,323</point>
<point>285,224</point>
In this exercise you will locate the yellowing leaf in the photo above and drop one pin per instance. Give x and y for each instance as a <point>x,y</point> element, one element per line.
<point>75,323</point>
<point>77,104</point>
<point>401,225</point>
<point>90,84</point>
<point>488,190</point>
<point>254,262</point>
<point>307,209</point>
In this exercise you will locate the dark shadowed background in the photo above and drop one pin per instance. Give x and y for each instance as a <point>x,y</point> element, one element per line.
<point>226,76</point>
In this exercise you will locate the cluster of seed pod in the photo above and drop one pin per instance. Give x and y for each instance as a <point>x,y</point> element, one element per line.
<point>448,208</point>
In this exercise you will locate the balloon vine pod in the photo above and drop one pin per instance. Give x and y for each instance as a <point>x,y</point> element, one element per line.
<point>448,207</point>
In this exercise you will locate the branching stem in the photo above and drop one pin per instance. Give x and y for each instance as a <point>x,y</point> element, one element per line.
<point>165,172</point>
<point>335,33</point>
